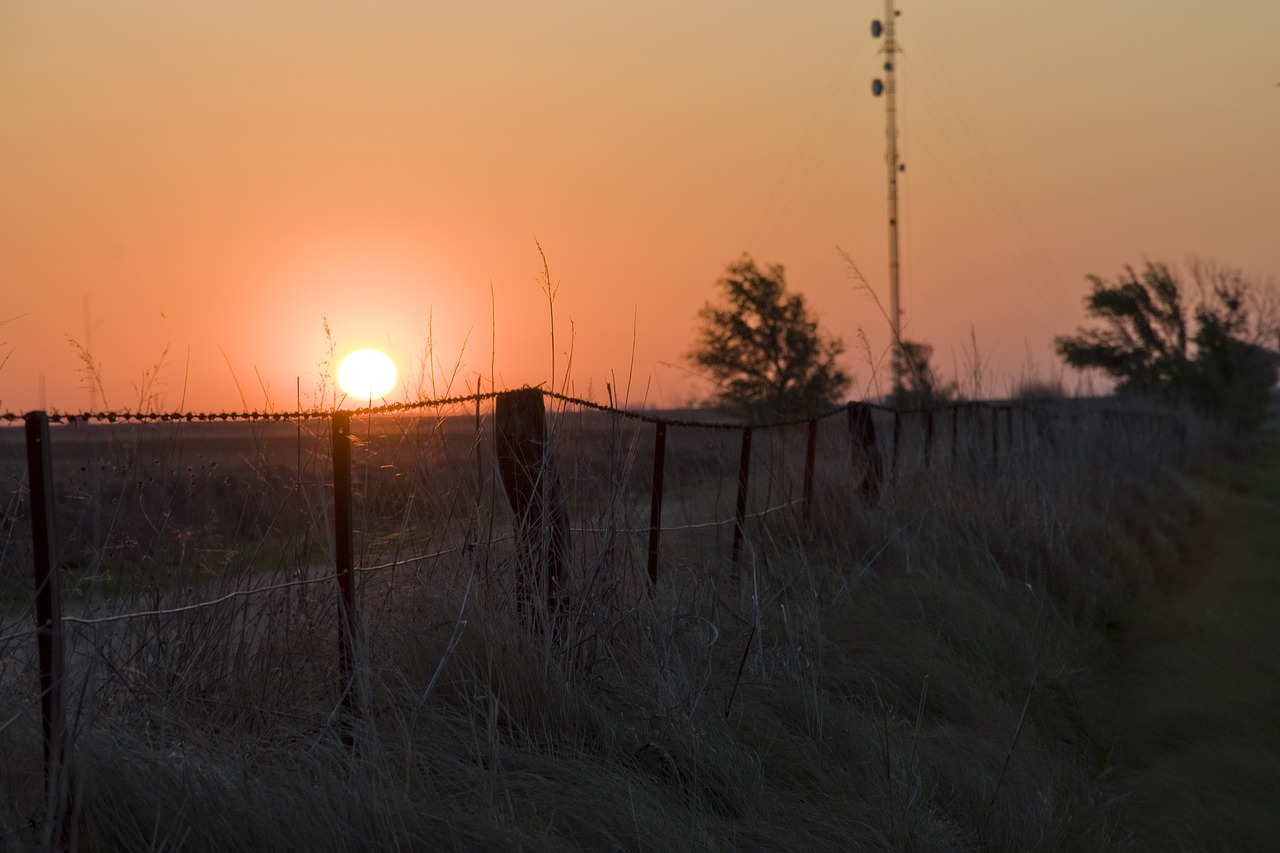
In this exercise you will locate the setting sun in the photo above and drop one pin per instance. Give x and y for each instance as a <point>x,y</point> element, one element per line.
<point>367,374</point>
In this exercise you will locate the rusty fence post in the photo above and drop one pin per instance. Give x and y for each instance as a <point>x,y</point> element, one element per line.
<point>810,453</point>
<point>955,432</point>
<point>1008,430</point>
<point>49,640</point>
<point>995,439</point>
<point>479,445</point>
<point>740,514</point>
<point>655,507</point>
<point>897,440</point>
<point>537,500</point>
<point>928,436</point>
<point>344,563</point>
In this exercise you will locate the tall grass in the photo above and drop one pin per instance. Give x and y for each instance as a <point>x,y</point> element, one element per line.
<point>923,672</point>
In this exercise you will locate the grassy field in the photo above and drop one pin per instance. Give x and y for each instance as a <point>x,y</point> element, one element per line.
<point>931,670</point>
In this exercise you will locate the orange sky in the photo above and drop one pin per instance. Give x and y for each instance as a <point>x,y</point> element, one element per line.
<point>218,178</point>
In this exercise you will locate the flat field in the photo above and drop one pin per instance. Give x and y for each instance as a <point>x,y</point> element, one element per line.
<point>918,667</point>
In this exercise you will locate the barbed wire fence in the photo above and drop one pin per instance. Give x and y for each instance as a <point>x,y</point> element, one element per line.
<point>174,528</point>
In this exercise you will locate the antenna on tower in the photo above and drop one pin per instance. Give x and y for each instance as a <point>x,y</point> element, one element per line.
<point>888,89</point>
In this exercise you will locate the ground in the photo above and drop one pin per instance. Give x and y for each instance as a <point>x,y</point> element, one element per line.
<point>1199,679</point>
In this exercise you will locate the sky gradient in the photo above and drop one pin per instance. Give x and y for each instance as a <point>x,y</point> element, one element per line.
<point>219,180</point>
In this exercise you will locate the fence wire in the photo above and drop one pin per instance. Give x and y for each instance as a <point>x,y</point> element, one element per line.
<point>196,550</point>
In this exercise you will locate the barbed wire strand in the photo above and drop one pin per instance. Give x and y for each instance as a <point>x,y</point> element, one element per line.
<point>702,525</point>
<point>208,417</point>
<point>187,417</point>
<point>442,402</point>
<point>240,593</point>
<point>187,608</point>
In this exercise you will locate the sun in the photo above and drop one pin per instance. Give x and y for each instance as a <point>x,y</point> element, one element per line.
<point>367,374</point>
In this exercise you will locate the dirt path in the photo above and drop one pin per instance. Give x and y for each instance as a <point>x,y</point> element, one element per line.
<point>1200,689</point>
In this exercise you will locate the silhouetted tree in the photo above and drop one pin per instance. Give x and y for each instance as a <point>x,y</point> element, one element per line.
<point>1217,355</point>
<point>1143,342</point>
<point>762,347</point>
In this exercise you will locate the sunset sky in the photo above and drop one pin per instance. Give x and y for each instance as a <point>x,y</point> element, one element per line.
<point>217,179</point>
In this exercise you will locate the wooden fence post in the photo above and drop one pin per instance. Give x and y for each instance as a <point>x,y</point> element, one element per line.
<point>49,642</point>
<point>655,507</point>
<point>863,431</point>
<point>740,515</point>
<point>344,562</point>
<point>536,497</point>
<point>810,453</point>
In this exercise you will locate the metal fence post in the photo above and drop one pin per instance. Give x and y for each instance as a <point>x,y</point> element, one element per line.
<point>928,436</point>
<point>49,641</point>
<point>955,432</point>
<point>995,439</point>
<point>340,430</point>
<point>897,440</point>
<point>1008,430</point>
<point>655,508</point>
<point>740,516</point>
<point>479,445</point>
<point>810,452</point>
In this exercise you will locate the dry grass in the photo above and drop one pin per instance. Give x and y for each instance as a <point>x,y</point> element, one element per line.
<point>1199,734</point>
<point>924,673</point>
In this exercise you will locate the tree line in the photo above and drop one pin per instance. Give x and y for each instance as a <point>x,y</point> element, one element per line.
<point>1208,339</point>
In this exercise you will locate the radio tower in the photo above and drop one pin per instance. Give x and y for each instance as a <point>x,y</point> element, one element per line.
<point>887,88</point>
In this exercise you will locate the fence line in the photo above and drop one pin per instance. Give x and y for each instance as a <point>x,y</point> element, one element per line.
<point>342,462</point>
<point>862,438</point>
<point>225,417</point>
<point>126,416</point>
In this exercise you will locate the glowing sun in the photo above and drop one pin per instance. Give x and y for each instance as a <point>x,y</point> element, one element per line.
<point>367,374</point>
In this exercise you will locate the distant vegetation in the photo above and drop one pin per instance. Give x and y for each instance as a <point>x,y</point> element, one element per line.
<point>1211,342</point>
<point>922,387</point>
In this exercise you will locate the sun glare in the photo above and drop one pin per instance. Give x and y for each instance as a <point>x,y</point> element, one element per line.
<point>367,374</point>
